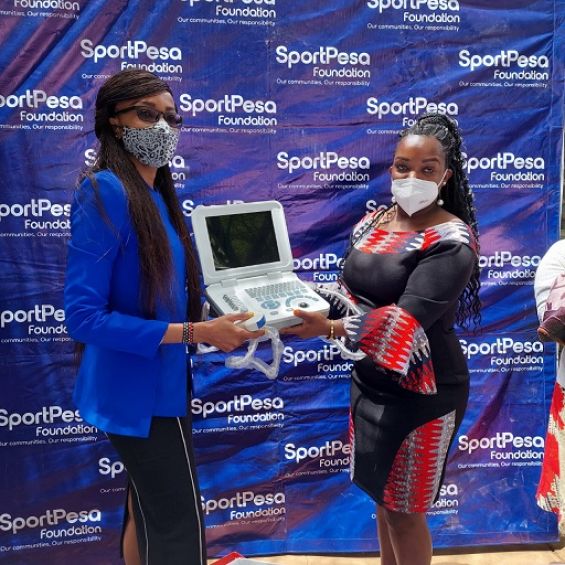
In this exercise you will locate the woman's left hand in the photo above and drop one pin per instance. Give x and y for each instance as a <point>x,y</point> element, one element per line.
<point>313,325</point>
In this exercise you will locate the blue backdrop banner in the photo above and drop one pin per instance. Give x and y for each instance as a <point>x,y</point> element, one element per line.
<point>300,102</point>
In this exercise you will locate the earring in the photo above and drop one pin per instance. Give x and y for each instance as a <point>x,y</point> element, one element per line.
<point>439,202</point>
<point>393,199</point>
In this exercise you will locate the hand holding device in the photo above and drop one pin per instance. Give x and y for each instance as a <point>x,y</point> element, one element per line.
<point>223,332</point>
<point>313,324</point>
<point>255,322</point>
<point>249,360</point>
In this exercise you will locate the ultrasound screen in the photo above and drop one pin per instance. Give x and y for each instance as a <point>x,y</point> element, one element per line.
<point>242,240</point>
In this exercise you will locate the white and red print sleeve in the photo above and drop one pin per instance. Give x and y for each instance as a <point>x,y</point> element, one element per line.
<point>395,340</point>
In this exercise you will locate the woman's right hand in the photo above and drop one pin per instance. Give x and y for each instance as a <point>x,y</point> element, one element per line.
<point>223,333</point>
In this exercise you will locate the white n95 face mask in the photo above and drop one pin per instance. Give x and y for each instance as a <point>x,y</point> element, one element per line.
<point>413,194</point>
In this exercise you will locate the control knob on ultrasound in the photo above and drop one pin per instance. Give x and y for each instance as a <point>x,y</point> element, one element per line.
<point>301,302</point>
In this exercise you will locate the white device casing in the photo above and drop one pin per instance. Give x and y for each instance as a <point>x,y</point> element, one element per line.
<point>226,298</point>
<point>209,272</point>
<point>221,289</point>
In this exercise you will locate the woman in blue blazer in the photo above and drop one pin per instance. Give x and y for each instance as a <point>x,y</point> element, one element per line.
<point>132,301</point>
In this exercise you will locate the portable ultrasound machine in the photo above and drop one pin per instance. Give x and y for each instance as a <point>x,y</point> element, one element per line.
<point>246,262</point>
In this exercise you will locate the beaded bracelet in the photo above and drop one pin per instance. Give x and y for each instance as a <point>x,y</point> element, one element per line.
<point>331,335</point>
<point>188,333</point>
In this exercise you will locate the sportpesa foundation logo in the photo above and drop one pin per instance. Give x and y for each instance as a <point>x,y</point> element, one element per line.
<point>245,411</point>
<point>47,4</point>
<point>37,214</point>
<point>325,65</point>
<point>502,449</point>
<point>248,506</point>
<point>332,456</point>
<point>507,68</point>
<point>67,9</point>
<point>49,424</point>
<point>504,267</point>
<point>324,267</point>
<point>385,5</point>
<point>503,354</point>
<point>231,110</point>
<point>132,53</point>
<point>407,111</point>
<point>243,12</point>
<point>45,111</point>
<point>416,15</point>
<point>325,359</point>
<point>41,323</point>
<point>57,526</point>
<point>38,217</point>
<point>327,168</point>
<point>506,170</point>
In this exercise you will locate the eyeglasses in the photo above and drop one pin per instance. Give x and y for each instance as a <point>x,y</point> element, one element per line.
<point>152,116</point>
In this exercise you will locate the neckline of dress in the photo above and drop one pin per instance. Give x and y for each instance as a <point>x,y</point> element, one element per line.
<point>457,221</point>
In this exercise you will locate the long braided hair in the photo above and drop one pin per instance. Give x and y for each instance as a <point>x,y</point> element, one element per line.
<point>155,258</point>
<point>458,200</point>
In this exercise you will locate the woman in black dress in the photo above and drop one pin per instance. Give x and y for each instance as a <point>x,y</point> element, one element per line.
<point>413,269</point>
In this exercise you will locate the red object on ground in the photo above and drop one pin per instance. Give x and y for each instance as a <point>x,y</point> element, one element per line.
<point>228,558</point>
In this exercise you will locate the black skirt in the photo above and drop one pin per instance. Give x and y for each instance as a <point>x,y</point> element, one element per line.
<point>400,440</point>
<point>165,495</point>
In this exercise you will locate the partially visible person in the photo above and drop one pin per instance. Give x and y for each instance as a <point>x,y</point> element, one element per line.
<point>414,270</point>
<point>550,493</point>
<point>132,300</point>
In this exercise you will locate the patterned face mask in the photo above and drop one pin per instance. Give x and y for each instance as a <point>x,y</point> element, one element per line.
<point>153,146</point>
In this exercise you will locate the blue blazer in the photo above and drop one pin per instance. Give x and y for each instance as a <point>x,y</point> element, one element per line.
<point>125,376</point>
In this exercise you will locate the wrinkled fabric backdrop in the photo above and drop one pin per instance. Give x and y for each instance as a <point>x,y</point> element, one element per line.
<point>299,102</point>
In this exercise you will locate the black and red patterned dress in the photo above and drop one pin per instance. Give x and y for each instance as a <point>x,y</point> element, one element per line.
<point>410,392</point>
